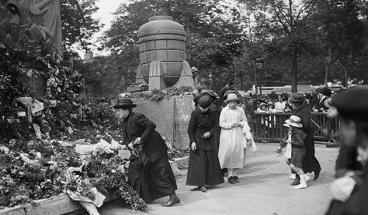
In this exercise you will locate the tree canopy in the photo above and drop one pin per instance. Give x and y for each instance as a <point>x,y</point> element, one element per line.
<point>303,41</point>
<point>78,26</point>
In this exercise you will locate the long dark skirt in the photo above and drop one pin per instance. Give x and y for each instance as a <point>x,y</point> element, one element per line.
<point>204,168</point>
<point>151,180</point>
<point>310,162</point>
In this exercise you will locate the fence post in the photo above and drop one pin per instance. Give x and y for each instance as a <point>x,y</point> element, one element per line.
<point>174,121</point>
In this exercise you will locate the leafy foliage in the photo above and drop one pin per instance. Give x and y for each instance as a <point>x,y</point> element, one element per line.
<point>78,26</point>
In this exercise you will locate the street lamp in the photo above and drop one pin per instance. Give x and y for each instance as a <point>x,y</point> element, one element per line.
<point>210,76</point>
<point>259,66</point>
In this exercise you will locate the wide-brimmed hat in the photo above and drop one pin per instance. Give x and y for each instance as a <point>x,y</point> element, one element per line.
<point>296,98</point>
<point>124,103</point>
<point>232,97</point>
<point>205,101</point>
<point>324,90</point>
<point>262,104</point>
<point>211,93</point>
<point>293,121</point>
<point>194,68</point>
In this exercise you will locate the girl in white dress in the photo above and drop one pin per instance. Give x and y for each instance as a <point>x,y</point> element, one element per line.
<point>235,133</point>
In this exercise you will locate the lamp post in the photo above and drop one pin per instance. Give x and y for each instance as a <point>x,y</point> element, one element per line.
<point>259,66</point>
<point>210,76</point>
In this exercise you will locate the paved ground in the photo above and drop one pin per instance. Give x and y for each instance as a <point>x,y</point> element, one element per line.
<point>263,190</point>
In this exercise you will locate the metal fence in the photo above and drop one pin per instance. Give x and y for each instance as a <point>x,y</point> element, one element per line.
<point>269,127</point>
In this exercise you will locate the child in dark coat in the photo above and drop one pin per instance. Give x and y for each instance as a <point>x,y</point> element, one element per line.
<point>297,149</point>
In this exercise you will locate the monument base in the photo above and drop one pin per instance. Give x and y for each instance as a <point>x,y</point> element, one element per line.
<point>156,80</point>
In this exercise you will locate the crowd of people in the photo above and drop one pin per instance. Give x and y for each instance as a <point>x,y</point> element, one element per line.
<point>318,101</point>
<point>220,133</point>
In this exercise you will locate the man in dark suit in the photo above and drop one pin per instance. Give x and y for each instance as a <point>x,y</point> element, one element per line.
<point>149,172</point>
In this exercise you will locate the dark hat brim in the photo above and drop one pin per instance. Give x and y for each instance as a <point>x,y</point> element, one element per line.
<point>233,100</point>
<point>296,101</point>
<point>127,106</point>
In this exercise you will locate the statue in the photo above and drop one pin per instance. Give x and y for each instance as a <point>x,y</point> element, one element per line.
<point>33,25</point>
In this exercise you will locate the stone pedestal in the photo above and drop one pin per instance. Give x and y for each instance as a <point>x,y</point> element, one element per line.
<point>139,79</point>
<point>156,79</point>
<point>186,77</point>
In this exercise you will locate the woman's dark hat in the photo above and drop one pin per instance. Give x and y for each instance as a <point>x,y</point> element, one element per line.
<point>123,103</point>
<point>296,98</point>
<point>210,93</point>
<point>205,101</point>
<point>324,90</point>
<point>352,103</point>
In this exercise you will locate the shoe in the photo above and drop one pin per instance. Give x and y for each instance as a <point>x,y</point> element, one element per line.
<point>292,176</point>
<point>173,200</point>
<point>231,180</point>
<point>316,173</point>
<point>196,189</point>
<point>302,185</point>
<point>303,182</point>
<point>307,177</point>
<point>204,189</point>
<point>236,179</point>
<point>296,181</point>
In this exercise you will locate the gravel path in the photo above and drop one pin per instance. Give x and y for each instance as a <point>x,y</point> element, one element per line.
<point>263,190</point>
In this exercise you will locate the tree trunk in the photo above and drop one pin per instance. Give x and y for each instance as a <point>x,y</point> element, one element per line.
<point>327,65</point>
<point>346,67</point>
<point>326,74</point>
<point>345,75</point>
<point>294,70</point>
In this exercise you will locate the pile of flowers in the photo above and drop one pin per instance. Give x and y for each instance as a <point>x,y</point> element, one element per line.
<point>157,95</point>
<point>175,152</point>
<point>29,174</point>
<point>31,168</point>
<point>109,176</point>
<point>39,169</point>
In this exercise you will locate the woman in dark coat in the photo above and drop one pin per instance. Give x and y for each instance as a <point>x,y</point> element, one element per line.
<point>301,109</point>
<point>149,171</point>
<point>204,167</point>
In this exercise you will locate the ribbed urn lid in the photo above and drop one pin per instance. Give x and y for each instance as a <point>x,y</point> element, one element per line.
<point>161,25</point>
<point>157,18</point>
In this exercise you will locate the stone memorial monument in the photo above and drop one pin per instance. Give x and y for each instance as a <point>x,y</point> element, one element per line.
<point>163,55</point>
<point>34,25</point>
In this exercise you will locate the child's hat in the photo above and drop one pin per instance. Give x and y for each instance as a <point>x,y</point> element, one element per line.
<point>293,121</point>
<point>262,104</point>
<point>232,97</point>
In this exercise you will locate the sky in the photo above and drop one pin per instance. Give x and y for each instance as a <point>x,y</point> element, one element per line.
<point>106,8</point>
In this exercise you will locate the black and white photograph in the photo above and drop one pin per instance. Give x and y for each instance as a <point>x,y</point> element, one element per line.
<point>185,107</point>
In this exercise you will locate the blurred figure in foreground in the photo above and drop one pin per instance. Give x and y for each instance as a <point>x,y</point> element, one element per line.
<point>350,189</point>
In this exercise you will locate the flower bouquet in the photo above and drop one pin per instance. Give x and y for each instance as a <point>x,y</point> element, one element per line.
<point>78,186</point>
